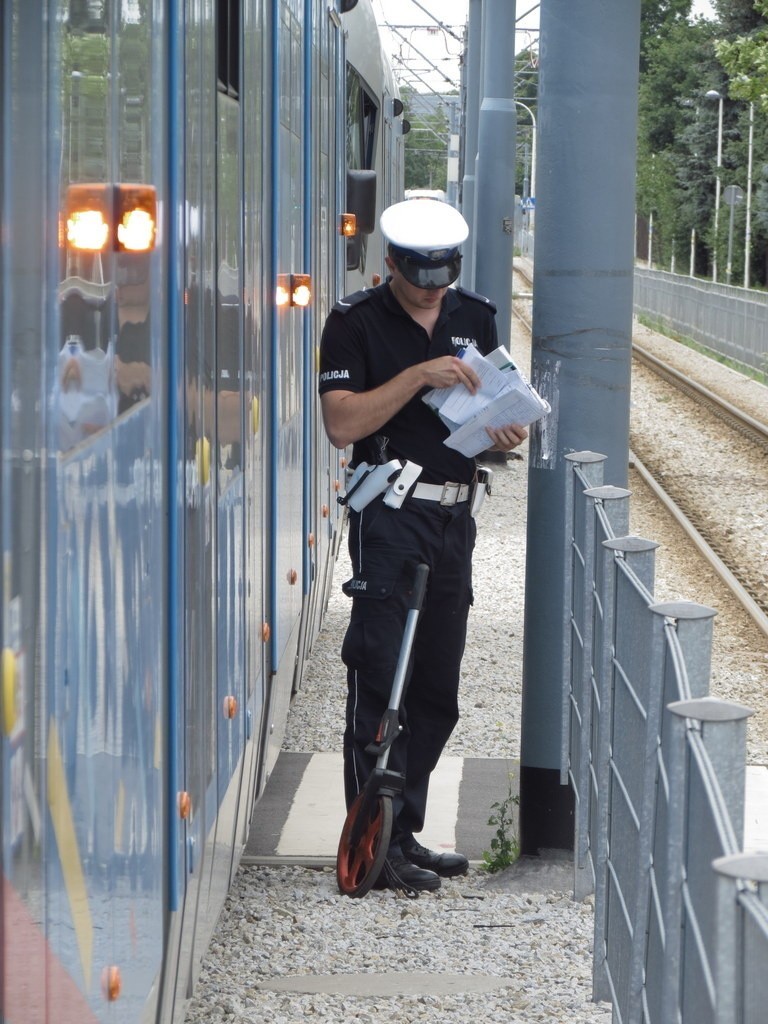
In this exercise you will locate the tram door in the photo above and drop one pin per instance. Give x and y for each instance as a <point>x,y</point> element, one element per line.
<point>222,530</point>
<point>197,534</point>
<point>287,370</point>
<point>255,114</point>
<point>228,464</point>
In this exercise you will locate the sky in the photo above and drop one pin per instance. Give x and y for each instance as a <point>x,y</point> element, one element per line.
<point>439,47</point>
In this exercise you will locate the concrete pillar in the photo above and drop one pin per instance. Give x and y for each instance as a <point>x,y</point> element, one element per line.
<point>471,118</point>
<point>495,184</point>
<point>582,323</point>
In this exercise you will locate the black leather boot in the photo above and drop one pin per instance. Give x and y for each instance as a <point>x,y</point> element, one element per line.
<point>401,873</point>
<point>446,865</point>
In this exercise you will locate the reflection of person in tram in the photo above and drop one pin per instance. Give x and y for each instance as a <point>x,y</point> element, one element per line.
<point>84,398</point>
<point>228,367</point>
<point>220,380</point>
<point>133,369</point>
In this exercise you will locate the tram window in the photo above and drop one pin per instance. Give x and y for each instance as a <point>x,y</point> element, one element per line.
<point>361,123</point>
<point>228,56</point>
<point>370,111</point>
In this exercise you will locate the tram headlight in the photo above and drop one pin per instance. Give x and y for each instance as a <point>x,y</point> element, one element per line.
<point>283,290</point>
<point>136,218</point>
<point>293,290</point>
<point>301,289</point>
<point>87,217</point>
<point>98,216</point>
<point>87,230</point>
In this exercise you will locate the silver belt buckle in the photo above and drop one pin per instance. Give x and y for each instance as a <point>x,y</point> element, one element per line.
<point>450,493</point>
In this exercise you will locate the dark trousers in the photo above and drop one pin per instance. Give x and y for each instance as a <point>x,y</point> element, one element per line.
<point>385,546</point>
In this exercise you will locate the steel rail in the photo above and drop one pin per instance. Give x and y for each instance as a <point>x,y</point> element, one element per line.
<point>750,606</point>
<point>732,415</point>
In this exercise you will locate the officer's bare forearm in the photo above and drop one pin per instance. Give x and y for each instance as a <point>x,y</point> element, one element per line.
<point>351,415</point>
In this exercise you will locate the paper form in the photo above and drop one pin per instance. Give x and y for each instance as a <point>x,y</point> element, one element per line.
<point>504,397</point>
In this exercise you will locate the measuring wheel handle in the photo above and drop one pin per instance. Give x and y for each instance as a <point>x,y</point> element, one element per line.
<point>419,587</point>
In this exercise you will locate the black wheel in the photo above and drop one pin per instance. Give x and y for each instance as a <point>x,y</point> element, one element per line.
<point>359,864</point>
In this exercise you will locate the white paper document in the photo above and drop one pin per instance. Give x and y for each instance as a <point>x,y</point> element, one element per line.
<point>504,397</point>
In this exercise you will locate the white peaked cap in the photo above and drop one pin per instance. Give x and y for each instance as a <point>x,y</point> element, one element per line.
<point>424,225</point>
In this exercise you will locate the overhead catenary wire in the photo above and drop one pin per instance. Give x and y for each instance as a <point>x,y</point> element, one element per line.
<point>437,21</point>
<point>392,28</point>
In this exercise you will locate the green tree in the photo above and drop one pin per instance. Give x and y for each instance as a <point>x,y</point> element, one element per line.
<point>426,144</point>
<point>656,17</point>
<point>678,131</point>
<point>737,16</point>
<point>745,58</point>
<point>677,136</point>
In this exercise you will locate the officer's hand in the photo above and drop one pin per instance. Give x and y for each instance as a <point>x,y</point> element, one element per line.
<point>447,371</point>
<point>506,438</point>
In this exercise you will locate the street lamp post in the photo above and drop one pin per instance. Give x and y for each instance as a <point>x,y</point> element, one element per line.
<point>532,188</point>
<point>528,211</point>
<point>748,229</point>
<point>732,195</point>
<point>713,94</point>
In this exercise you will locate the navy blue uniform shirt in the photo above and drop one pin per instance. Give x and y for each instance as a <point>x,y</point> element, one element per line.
<point>368,339</point>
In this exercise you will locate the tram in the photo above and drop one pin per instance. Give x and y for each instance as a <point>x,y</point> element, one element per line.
<point>186,188</point>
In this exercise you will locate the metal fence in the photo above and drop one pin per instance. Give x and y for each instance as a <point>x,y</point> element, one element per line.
<point>658,770</point>
<point>728,320</point>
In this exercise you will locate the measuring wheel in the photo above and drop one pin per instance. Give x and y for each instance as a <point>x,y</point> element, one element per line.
<point>364,841</point>
<point>363,844</point>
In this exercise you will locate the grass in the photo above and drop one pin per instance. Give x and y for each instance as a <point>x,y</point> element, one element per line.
<point>659,325</point>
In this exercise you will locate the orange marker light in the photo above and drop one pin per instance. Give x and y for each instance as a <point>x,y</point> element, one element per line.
<point>111,983</point>
<point>348,225</point>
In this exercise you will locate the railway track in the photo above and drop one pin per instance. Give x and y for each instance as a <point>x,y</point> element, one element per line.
<point>712,536</point>
<point>754,430</point>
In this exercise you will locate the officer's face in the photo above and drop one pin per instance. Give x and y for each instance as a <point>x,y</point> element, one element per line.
<point>408,294</point>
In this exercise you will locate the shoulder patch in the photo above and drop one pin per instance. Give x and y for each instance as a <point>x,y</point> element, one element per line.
<point>476,296</point>
<point>349,301</point>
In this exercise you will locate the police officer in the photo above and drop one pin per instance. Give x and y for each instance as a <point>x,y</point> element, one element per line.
<point>382,349</point>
